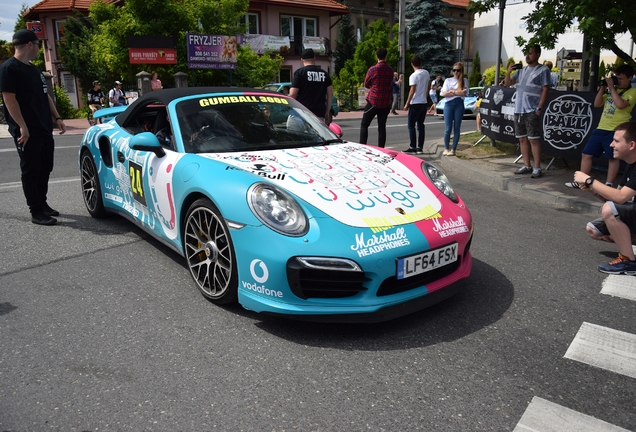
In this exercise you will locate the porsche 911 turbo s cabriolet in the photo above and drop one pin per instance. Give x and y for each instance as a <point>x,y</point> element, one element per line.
<point>276,212</point>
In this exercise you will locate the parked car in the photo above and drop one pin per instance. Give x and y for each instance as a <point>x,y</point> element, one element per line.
<point>469,102</point>
<point>282,216</point>
<point>278,87</point>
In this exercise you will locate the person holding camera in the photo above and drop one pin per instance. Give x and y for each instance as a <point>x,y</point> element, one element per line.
<point>533,85</point>
<point>617,97</point>
<point>617,223</point>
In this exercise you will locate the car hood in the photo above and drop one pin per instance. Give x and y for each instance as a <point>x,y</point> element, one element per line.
<point>355,184</point>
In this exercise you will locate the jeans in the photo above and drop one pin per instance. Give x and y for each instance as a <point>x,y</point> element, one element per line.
<point>417,114</point>
<point>369,112</point>
<point>453,114</point>
<point>394,107</point>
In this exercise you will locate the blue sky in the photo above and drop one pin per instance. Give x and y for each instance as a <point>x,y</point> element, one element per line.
<point>9,10</point>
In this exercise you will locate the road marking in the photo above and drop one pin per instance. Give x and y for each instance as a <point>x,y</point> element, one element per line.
<point>5,150</point>
<point>620,286</point>
<point>605,348</point>
<point>542,415</point>
<point>11,185</point>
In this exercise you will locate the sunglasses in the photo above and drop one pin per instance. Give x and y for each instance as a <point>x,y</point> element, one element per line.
<point>456,70</point>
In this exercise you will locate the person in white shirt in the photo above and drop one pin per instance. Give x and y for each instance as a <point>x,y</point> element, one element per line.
<point>454,91</point>
<point>116,96</point>
<point>416,104</point>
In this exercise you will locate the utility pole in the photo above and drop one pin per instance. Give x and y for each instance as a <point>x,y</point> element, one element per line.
<point>402,42</point>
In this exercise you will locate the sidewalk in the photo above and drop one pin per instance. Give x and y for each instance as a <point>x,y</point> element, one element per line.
<point>73,127</point>
<point>493,171</point>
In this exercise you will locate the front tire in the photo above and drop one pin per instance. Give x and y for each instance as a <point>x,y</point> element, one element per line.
<point>210,254</point>
<point>91,189</point>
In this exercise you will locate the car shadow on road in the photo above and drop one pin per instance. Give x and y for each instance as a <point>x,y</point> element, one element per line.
<point>487,297</point>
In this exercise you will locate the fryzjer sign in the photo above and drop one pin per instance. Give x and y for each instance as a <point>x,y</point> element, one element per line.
<point>206,51</point>
<point>568,119</point>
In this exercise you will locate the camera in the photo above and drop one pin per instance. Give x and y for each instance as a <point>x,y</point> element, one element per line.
<point>517,66</point>
<point>603,82</point>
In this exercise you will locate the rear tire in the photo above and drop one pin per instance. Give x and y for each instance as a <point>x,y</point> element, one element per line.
<point>209,252</point>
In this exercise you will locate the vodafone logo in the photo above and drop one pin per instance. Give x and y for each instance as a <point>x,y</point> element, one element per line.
<point>262,274</point>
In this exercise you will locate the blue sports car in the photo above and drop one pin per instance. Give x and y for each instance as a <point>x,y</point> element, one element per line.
<point>278,213</point>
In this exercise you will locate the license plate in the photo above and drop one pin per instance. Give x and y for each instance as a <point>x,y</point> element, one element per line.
<point>426,261</point>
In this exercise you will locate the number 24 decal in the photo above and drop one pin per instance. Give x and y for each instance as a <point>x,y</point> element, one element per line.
<point>137,182</point>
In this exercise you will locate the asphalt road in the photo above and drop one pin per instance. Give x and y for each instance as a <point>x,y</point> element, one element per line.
<point>101,328</point>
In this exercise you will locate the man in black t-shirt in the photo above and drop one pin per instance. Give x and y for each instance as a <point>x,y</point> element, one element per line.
<point>95,98</point>
<point>311,87</point>
<point>29,110</point>
<point>618,215</point>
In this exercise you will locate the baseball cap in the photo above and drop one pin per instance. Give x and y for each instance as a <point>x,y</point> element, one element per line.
<point>308,54</point>
<point>24,36</point>
<point>117,82</point>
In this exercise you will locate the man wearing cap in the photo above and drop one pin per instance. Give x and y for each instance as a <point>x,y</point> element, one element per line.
<point>116,96</point>
<point>95,98</point>
<point>29,110</point>
<point>311,87</point>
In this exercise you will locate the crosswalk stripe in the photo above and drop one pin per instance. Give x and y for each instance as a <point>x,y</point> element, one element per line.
<point>620,286</point>
<point>545,416</point>
<point>605,348</point>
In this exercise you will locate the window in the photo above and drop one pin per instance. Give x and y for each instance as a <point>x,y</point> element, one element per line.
<point>297,26</point>
<point>253,27</point>
<point>459,39</point>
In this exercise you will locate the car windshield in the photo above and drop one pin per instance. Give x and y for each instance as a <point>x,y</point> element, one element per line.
<point>271,87</point>
<point>219,124</point>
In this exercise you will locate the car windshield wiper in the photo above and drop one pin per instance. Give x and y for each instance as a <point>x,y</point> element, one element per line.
<point>332,141</point>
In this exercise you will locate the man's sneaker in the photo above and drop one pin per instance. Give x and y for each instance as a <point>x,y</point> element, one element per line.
<point>49,211</point>
<point>419,151</point>
<point>42,219</point>
<point>573,185</point>
<point>621,265</point>
<point>537,174</point>
<point>524,170</point>
<point>410,150</point>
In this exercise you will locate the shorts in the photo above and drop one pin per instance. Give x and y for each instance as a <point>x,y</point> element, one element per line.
<point>433,97</point>
<point>528,125</point>
<point>626,213</point>
<point>599,143</point>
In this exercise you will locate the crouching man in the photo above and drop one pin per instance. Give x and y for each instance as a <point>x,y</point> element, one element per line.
<point>618,216</point>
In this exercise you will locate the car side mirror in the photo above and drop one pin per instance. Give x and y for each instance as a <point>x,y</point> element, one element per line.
<point>147,141</point>
<point>336,129</point>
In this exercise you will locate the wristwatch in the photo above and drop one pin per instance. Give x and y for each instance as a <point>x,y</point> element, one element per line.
<point>589,181</point>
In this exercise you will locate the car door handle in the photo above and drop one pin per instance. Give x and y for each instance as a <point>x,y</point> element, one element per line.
<point>120,157</point>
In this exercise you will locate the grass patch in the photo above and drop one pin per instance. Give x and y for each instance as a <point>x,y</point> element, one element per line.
<point>484,149</point>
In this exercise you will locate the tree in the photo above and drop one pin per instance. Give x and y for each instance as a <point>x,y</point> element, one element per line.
<point>97,47</point>
<point>346,43</point>
<point>430,35</point>
<point>475,76</point>
<point>20,23</point>
<point>352,75</point>
<point>600,20</point>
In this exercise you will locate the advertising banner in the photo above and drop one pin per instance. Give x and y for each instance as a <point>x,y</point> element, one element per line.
<point>568,119</point>
<point>206,51</point>
<point>152,55</point>
<point>262,44</point>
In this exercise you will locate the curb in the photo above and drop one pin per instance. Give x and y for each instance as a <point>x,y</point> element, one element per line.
<point>510,183</point>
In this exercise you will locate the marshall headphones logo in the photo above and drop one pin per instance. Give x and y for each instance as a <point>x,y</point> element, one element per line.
<point>567,121</point>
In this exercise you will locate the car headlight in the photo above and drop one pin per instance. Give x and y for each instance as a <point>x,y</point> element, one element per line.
<point>440,181</point>
<point>277,209</point>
